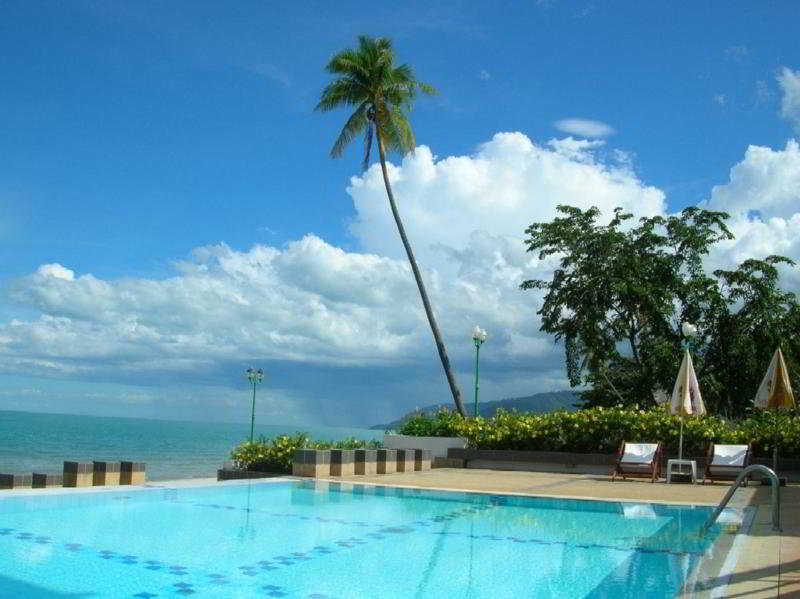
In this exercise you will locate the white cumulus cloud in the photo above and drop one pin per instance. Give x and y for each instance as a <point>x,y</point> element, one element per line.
<point>506,185</point>
<point>348,325</point>
<point>584,127</point>
<point>763,198</point>
<point>789,82</point>
<point>55,270</point>
<point>766,182</point>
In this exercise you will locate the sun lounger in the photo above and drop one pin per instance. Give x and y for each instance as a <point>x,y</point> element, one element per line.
<point>726,461</point>
<point>638,459</point>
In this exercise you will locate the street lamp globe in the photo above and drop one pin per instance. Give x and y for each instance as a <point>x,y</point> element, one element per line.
<point>254,375</point>
<point>479,335</point>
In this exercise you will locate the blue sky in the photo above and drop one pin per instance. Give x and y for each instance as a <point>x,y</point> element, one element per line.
<point>136,133</point>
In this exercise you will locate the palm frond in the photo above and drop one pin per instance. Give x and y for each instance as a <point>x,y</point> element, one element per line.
<point>348,62</point>
<point>354,125</point>
<point>395,129</point>
<point>379,50</point>
<point>369,78</point>
<point>427,88</point>
<point>341,92</point>
<point>403,75</point>
<point>403,135</point>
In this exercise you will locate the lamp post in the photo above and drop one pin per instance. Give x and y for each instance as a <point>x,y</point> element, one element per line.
<point>255,376</point>
<point>478,337</point>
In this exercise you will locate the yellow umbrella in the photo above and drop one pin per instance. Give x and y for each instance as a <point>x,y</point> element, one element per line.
<point>775,393</point>
<point>686,398</point>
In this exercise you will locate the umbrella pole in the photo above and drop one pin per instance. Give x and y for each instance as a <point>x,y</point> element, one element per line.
<point>775,446</point>
<point>680,441</point>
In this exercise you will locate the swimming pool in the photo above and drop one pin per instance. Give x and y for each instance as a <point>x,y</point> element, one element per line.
<point>316,540</point>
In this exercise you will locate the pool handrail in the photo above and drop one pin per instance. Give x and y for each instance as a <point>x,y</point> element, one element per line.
<point>776,496</point>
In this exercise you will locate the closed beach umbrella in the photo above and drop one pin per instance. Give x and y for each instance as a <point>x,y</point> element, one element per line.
<point>775,393</point>
<point>686,399</point>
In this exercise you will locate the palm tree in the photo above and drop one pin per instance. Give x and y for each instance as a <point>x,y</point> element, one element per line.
<point>367,78</point>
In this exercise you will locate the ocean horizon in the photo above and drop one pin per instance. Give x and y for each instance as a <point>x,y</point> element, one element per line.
<point>172,449</point>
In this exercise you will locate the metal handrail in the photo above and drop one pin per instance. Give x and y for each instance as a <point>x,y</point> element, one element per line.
<point>776,496</point>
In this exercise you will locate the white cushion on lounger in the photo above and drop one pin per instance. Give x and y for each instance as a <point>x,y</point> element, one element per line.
<point>729,455</point>
<point>639,453</point>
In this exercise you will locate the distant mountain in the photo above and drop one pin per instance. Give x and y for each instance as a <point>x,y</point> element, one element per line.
<point>537,403</point>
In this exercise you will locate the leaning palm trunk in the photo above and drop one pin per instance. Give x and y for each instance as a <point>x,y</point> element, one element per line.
<point>437,336</point>
<point>382,92</point>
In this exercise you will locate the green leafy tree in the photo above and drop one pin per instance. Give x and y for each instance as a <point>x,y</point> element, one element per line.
<point>621,291</point>
<point>381,93</point>
<point>745,337</point>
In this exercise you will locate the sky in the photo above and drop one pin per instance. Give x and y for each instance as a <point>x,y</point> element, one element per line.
<point>170,216</point>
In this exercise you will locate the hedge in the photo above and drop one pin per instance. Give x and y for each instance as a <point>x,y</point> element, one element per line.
<point>601,430</point>
<point>275,455</point>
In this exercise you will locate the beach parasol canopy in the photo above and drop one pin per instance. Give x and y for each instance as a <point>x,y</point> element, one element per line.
<point>686,398</point>
<point>775,393</point>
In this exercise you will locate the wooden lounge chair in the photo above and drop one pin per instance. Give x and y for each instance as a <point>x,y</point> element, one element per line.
<point>726,461</point>
<point>638,459</point>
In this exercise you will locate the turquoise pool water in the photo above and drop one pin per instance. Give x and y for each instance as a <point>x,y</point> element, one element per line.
<point>316,541</point>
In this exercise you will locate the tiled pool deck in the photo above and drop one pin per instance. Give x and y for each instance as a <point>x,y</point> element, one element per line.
<point>767,564</point>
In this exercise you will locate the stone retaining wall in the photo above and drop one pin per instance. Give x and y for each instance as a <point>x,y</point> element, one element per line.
<point>80,474</point>
<point>315,463</point>
<point>585,463</point>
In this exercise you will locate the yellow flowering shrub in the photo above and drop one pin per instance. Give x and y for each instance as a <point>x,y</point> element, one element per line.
<point>602,429</point>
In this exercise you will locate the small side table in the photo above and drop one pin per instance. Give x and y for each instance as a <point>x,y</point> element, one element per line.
<point>677,467</point>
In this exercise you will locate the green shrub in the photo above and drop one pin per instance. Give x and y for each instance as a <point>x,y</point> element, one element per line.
<point>601,430</point>
<point>440,425</point>
<point>763,429</point>
<point>275,455</point>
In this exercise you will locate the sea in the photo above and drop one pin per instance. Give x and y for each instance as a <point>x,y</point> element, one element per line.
<point>38,442</point>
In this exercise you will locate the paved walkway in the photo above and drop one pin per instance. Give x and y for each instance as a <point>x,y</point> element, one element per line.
<point>768,563</point>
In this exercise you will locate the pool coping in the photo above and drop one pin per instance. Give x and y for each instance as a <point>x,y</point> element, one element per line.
<point>211,482</point>
<point>166,484</point>
<point>511,493</point>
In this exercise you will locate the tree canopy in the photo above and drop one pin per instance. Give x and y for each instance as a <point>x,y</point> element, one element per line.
<point>621,292</point>
<point>381,92</point>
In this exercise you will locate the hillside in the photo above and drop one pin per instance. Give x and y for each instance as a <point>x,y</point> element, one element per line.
<point>539,402</point>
